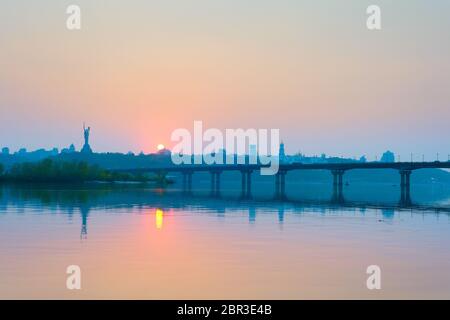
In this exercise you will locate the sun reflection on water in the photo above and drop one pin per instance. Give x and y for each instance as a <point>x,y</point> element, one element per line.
<point>159,218</point>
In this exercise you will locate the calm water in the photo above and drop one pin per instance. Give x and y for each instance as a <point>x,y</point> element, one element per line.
<point>135,242</point>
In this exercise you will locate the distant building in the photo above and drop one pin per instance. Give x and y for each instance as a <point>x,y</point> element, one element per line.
<point>70,149</point>
<point>5,150</point>
<point>388,156</point>
<point>282,153</point>
<point>164,152</point>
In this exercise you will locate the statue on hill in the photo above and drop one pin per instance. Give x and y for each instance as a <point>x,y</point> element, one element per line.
<point>86,148</point>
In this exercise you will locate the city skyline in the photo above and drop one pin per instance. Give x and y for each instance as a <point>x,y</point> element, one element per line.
<point>72,147</point>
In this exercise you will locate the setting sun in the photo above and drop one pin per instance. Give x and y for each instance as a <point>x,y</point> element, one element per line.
<point>160,147</point>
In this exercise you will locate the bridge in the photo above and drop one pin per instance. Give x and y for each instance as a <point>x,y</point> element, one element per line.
<point>337,170</point>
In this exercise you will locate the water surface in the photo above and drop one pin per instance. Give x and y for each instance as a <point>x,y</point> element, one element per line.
<point>138,242</point>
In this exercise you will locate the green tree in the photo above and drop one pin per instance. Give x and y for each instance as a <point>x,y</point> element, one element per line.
<point>49,170</point>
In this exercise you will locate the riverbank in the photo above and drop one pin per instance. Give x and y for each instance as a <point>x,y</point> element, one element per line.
<point>62,172</point>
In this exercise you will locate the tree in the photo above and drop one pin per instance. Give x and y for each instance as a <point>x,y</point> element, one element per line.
<point>49,170</point>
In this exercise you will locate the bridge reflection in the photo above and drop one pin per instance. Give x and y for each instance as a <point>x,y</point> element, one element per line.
<point>111,199</point>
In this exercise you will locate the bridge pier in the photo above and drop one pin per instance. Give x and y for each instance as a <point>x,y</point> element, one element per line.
<point>243,184</point>
<point>338,183</point>
<point>215,183</point>
<point>187,182</point>
<point>218,183</point>
<point>405,187</point>
<point>249,184</point>
<point>246,191</point>
<point>184,184</point>
<point>280,184</point>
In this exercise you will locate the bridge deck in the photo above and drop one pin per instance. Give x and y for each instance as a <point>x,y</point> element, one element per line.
<point>294,166</point>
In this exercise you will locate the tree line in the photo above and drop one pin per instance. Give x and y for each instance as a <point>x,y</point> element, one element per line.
<point>49,170</point>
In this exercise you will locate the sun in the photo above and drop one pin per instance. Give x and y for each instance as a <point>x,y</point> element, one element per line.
<point>160,147</point>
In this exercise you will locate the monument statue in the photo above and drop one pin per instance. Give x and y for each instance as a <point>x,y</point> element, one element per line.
<point>86,134</point>
<point>86,147</point>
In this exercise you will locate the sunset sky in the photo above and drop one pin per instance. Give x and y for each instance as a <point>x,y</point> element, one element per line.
<point>137,70</point>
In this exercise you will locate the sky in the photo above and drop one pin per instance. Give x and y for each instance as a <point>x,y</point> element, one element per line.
<point>138,69</point>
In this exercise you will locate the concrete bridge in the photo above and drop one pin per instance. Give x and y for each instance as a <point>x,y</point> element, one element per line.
<point>337,170</point>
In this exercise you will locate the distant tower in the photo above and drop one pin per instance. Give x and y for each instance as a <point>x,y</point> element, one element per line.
<point>282,154</point>
<point>86,147</point>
